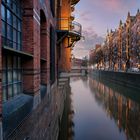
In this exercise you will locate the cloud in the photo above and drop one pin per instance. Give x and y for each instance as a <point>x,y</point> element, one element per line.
<point>91,39</point>
<point>98,15</point>
<point>114,6</point>
<point>83,16</point>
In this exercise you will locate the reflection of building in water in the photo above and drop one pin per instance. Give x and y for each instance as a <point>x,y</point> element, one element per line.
<point>67,126</point>
<point>124,111</point>
<point>74,79</point>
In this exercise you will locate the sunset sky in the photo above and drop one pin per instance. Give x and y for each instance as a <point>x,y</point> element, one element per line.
<point>96,16</point>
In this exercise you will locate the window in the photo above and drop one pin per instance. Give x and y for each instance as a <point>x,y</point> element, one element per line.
<point>11,23</point>
<point>52,6</point>
<point>11,37</point>
<point>11,76</point>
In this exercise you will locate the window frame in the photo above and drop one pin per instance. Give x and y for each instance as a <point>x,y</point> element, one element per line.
<point>11,64</point>
<point>6,70</point>
<point>8,40</point>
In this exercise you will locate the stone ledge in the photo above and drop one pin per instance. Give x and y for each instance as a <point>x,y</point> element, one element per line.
<point>125,79</point>
<point>14,111</point>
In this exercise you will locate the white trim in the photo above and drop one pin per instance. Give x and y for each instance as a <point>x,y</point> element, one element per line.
<point>36,14</point>
<point>36,20</point>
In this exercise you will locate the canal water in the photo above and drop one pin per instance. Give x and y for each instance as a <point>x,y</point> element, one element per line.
<point>100,110</point>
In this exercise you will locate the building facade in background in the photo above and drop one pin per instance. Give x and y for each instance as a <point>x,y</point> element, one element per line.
<point>36,40</point>
<point>76,62</point>
<point>121,49</point>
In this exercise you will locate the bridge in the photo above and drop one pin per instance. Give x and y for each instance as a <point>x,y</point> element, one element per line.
<point>75,71</point>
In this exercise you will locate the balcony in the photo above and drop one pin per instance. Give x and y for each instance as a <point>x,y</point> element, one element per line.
<point>75,28</point>
<point>72,8</point>
<point>74,2</point>
<point>68,28</point>
<point>72,17</point>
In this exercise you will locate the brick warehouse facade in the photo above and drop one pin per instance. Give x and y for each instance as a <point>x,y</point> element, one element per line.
<point>69,32</point>
<point>121,49</point>
<point>30,59</point>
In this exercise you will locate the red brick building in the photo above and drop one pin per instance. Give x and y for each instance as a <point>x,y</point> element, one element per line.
<point>69,32</point>
<point>122,46</point>
<point>28,58</point>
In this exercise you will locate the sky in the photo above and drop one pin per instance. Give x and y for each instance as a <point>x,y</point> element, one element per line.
<point>96,16</point>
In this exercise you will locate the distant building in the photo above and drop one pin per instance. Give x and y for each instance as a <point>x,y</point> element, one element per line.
<point>76,62</point>
<point>121,49</point>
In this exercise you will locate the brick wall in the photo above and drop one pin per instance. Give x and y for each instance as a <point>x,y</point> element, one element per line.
<point>43,123</point>
<point>36,43</point>
<point>64,62</point>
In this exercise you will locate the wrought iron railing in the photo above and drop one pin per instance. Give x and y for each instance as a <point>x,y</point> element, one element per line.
<point>76,28</point>
<point>65,24</point>
<point>72,17</point>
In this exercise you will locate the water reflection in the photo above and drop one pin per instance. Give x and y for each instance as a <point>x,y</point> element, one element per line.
<point>99,110</point>
<point>67,126</point>
<point>122,109</point>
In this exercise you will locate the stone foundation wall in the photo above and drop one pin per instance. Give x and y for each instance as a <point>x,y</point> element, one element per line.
<point>131,80</point>
<point>43,122</point>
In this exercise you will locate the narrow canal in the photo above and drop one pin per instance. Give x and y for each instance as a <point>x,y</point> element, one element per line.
<point>100,110</point>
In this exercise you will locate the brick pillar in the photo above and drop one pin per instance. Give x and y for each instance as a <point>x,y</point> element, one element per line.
<point>65,63</point>
<point>31,45</point>
<point>1,131</point>
<point>62,57</point>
